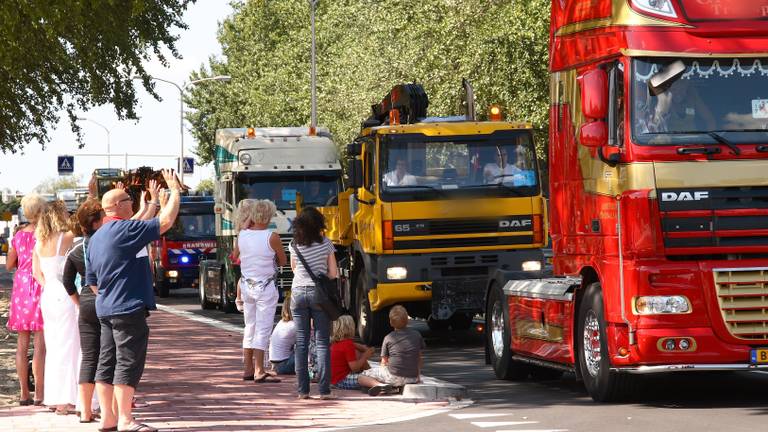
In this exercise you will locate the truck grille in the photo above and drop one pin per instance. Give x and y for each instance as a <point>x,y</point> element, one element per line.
<point>743,298</point>
<point>734,218</point>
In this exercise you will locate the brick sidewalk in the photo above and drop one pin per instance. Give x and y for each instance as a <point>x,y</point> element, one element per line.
<point>193,382</point>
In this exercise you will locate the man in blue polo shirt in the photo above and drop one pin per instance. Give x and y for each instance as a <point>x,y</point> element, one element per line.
<point>118,264</point>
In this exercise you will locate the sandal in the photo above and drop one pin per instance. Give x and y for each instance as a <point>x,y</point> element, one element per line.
<point>37,402</point>
<point>266,378</point>
<point>247,377</point>
<point>109,429</point>
<point>139,427</point>
<point>26,402</point>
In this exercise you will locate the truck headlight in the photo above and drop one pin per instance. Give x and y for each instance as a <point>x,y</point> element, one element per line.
<point>172,273</point>
<point>397,273</point>
<point>531,265</point>
<point>657,305</point>
<point>245,158</point>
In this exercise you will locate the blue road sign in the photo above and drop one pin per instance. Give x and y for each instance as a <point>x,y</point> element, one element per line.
<point>66,165</point>
<point>189,165</point>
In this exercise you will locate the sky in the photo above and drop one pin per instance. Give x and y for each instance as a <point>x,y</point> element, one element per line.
<point>156,132</point>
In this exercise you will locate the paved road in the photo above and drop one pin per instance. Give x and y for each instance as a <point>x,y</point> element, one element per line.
<point>676,402</point>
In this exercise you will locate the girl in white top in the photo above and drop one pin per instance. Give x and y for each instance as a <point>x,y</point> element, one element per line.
<point>260,252</point>
<point>283,342</point>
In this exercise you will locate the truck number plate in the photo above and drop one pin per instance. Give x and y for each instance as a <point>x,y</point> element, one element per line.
<point>759,356</point>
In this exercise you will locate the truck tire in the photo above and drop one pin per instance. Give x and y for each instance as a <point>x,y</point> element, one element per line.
<point>498,338</point>
<point>163,288</point>
<point>371,326</point>
<point>602,384</point>
<point>225,304</point>
<point>204,303</point>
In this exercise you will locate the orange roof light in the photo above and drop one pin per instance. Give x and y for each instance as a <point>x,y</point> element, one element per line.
<point>250,132</point>
<point>494,113</point>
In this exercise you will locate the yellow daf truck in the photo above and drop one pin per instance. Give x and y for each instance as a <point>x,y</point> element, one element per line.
<point>436,205</point>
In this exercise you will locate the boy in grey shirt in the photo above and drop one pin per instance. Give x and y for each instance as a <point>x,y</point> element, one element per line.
<point>400,357</point>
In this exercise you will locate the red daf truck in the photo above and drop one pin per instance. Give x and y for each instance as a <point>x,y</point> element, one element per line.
<point>658,167</point>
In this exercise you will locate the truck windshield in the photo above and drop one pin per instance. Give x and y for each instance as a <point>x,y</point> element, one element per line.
<point>193,226</point>
<point>318,188</point>
<point>727,96</point>
<point>501,164</point>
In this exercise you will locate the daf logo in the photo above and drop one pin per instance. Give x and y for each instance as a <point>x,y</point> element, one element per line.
<point>684,196</point>
<point>514,223</point>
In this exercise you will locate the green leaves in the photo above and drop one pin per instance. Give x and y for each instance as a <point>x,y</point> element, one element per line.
<point>366,47</point>
<point>74,54</point>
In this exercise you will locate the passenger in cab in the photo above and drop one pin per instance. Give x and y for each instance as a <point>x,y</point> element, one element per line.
<point>400,176</point>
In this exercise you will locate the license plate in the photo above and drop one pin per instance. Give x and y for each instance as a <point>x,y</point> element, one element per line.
<point>759,356</point>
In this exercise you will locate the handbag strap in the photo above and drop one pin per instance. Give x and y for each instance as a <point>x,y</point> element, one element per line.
<point>304,262</point>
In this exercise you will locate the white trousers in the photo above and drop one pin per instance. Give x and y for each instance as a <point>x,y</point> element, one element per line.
<point>259,307</point>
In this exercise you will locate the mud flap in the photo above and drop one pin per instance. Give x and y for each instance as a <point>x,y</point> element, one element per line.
<point>464,295</point>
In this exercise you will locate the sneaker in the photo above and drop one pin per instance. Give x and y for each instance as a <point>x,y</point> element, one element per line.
<point>303,396</point>
<point>380,389</point>
<point>329,396</point>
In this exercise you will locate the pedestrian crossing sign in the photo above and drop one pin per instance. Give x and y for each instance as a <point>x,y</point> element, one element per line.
<point>188,165</point>
<point>66,165</point>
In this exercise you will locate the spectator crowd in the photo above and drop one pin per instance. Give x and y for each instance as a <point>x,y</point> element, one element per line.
<point>83,291</point>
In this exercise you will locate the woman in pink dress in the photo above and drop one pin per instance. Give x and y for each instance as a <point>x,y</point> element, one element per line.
<point>24,316</point>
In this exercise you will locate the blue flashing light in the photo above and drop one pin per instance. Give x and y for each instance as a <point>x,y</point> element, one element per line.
<point>184,259</point>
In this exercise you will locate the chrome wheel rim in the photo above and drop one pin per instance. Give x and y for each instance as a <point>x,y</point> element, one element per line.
<point>592,343</point>
<point>497,329</point>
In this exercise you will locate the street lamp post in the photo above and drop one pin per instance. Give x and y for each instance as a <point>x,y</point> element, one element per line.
<point>180,88</point>
<point>313,70</point>
<point>109,161</point>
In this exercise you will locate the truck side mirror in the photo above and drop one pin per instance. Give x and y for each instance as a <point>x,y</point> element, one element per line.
<point>594,94</point>
<point>354,149</point>
<point>355,171</point>
<point>594,134</point>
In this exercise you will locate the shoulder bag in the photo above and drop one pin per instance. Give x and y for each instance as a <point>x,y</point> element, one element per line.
<point>327,288</point>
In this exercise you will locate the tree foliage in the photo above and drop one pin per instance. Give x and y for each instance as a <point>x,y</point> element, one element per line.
<point>54,184</point>
<point>72,55</point>
<point>205,185</point>
<point>364,48</point>
<point>11,206</point>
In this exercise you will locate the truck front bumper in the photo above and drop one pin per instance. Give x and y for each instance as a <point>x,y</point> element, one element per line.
<point>452,281</point>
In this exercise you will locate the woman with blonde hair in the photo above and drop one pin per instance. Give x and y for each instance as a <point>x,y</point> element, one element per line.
<point>282,344</point>
<point>260,252</point>
<point>348,358</point>
<point>59,311</point>
<point>24,316</point>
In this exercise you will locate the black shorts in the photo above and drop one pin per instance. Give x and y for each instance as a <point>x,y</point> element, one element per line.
<point>124,340</point>
<point>90,338</point>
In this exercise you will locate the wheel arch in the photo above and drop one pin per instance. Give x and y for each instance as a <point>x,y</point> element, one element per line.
<point>589,276</point>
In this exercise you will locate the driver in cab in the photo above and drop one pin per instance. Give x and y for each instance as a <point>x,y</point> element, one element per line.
<point>400,175</point>
<point>499,171</point>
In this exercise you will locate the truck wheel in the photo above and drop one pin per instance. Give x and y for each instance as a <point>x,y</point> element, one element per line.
<point>163,288</point>
<point>226,305</point>
<point>371,326</point>
<point>498,338</point>
<point>204,303</point>
<point>602,384</point>
<point>461,321</point>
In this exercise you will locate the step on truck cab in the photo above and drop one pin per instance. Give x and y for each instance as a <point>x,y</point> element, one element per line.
<point>286,165</point>
<point>435,205</point>
<point>659,198</point>
<point>177,255</point>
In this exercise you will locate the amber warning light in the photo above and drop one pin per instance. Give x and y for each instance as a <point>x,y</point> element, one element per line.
<point>494,113</point>
<point>250,132</point>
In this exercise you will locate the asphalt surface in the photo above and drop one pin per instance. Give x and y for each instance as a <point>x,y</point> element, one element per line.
<point>672,402</point>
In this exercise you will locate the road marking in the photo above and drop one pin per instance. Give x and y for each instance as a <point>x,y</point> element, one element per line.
<point>534,430</point>
<point>477,415</point>
<point>503,423</point>
<point>204,320</point>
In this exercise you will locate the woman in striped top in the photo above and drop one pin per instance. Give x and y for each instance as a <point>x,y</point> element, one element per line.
<point>317,251</point>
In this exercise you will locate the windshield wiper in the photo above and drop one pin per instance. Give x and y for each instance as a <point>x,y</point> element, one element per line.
<point>404,187</point>
<point>722,140</point>
<point>514,189</point>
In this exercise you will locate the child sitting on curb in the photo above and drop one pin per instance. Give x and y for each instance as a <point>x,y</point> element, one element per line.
<point>401,358</point>
<point>282,344</point>
<point>348,358</point>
